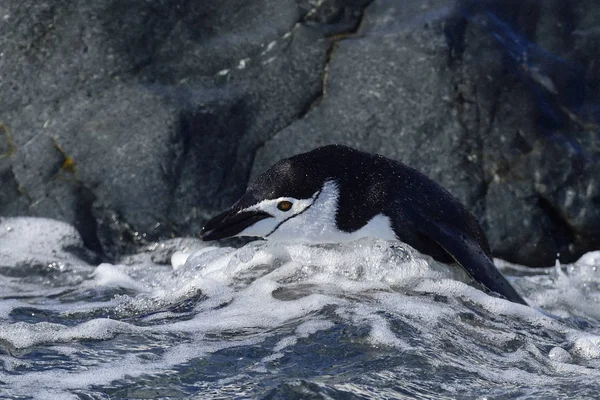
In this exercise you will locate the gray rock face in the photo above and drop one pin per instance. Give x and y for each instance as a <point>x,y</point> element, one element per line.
<point>135,121</point>
<point>502,134</point>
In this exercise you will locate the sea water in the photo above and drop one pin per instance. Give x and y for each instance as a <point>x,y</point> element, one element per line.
<point>364,319</point>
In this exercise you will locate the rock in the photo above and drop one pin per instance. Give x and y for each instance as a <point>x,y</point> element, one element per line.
<point>42,189</point>
<point>37,163</point>
<point>444,90</point>
<point>135,121</point>
<point>12,201</point>
<point>539,144</point>
<point>387,90</point>
<point>517,222</point>
<point>224,133</point>
<point>124,143</point>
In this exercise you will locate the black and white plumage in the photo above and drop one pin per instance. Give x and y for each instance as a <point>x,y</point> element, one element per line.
<point>335,193</point>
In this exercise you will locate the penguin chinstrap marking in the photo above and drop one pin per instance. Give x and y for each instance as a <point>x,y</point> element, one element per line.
<point>335,193</point>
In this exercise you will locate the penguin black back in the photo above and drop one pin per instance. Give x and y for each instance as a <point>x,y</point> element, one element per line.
<point>370,184</point>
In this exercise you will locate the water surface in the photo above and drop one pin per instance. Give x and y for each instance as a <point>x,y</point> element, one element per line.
<point>364,319</point>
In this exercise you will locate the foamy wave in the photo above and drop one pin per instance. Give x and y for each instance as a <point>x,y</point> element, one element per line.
<point>138,318</point>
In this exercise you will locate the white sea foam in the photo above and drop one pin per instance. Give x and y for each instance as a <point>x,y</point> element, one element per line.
<point>23,239</point>
<point>234,298</point>
<point>21,335</point>
<point>565,290</point>
<point>110,275</point>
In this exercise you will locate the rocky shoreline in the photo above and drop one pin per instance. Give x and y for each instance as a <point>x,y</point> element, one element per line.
<point>137,121</point>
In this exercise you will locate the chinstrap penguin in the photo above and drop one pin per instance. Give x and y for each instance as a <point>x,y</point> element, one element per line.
<point>335,193</point>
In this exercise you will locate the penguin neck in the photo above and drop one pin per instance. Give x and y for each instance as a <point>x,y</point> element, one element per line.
<point>319,223</point>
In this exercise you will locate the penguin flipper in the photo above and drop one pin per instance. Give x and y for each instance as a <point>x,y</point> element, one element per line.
<point>469,255</point>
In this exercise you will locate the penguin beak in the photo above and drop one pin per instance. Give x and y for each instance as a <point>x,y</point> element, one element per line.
<point>230,223</point>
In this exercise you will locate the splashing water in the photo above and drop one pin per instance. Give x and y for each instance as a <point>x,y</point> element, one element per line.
<point>365,319</point>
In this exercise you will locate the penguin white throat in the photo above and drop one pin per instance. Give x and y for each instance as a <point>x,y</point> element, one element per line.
<point>312,220</point>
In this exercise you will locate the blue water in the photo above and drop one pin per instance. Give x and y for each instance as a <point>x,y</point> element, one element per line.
<point>364,319</point>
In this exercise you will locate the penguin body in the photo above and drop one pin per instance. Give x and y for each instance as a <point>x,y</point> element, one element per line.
<point>335,193</point>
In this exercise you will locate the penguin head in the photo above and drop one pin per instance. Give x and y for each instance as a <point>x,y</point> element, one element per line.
<point>275,204</point>
<point>331,194</point>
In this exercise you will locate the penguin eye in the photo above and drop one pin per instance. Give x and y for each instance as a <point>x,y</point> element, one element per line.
<point>284,205</point>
